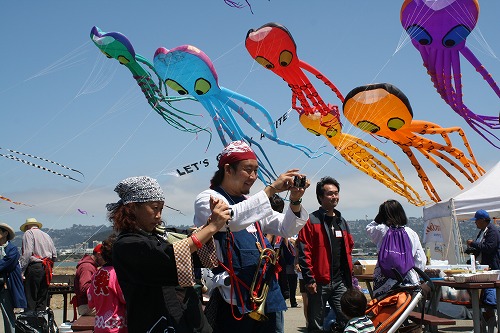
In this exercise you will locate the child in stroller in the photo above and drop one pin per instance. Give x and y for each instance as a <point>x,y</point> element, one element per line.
<point>389,313</point>
<point>353,304</point>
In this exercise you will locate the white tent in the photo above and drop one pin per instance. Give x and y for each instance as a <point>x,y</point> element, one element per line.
<point>442,234</point>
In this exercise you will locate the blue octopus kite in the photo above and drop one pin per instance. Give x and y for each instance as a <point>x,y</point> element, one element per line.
<point>188,70</point>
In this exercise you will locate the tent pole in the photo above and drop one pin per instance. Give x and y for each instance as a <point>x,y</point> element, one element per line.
<point>459,250</point>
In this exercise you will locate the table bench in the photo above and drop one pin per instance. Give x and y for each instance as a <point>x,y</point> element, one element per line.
<point>62,285</point>
<point>430,320</point>
<point>83,323</point>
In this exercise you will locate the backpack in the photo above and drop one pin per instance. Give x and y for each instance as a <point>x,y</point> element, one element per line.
<point>395,253</point>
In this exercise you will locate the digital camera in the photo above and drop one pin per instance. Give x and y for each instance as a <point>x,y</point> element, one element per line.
<point>471,250</point>
<point>299,181</point>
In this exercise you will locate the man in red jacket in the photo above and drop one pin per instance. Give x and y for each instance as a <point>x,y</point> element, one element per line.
<point>85,270</point>
<point>325,246</point>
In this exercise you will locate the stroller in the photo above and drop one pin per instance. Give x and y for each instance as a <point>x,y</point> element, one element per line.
<point>389,313</point>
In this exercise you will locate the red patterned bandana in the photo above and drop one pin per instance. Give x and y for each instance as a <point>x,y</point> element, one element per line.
<point>236,151</point>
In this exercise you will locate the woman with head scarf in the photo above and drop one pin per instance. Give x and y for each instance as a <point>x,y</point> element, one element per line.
<point>155,274</point>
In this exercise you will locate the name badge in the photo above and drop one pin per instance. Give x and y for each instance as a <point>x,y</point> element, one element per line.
<point>338,233</point>
<point>251,228</point>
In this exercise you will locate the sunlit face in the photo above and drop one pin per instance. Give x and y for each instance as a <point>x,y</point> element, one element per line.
<point>148,214</point>
<point>239,181</point>
<point>481,224</point>
<point>4,234</point>
<point>330,198</point>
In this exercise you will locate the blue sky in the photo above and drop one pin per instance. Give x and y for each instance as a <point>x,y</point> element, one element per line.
<point>61,99</point>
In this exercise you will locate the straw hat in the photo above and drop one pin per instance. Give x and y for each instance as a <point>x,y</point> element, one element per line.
<point>8,228</point>
<point>30,221</point>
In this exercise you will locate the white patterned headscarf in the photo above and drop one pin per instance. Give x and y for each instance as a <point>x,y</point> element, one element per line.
<point>137,189</point>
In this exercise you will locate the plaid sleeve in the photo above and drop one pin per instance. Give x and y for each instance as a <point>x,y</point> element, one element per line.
<point>207,253</point>
<point>184,263</point>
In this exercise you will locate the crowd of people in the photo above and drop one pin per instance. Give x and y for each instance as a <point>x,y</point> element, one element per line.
<point>257,248</point>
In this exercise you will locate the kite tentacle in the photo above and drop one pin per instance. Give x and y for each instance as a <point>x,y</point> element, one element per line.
<point>428,187</point>
<point>429,128</point>
<point>323,78</point>
<point>466,52</point>
<point>353,152</point>
<point>427,154</point>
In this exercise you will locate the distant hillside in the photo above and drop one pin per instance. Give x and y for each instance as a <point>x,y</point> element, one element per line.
<point>77,234</point>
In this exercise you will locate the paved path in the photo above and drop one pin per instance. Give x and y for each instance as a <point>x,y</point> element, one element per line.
<point>295,322</point>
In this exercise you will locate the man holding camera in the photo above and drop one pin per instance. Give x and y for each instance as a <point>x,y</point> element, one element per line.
<point>239,247</point>
<point>325,246</point>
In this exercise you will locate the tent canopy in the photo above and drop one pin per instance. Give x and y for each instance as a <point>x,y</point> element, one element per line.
<point>442,234</point>
<point>484,193</point>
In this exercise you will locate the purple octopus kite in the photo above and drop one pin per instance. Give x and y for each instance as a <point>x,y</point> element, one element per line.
<point>438,29</point>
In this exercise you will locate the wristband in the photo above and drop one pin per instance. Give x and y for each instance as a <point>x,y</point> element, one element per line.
<point>271,186</point>
<point>196,241</point>
<point>296,203</point>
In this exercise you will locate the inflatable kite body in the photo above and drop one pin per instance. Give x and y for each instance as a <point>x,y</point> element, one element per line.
<point>115,45</point>
<point>273,47</point>
<point>360,154</point>
<point>438,30</point>
<point>383,110</point>
<point>188,70</point>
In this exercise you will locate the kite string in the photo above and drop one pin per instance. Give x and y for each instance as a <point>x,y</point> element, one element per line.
<point>63,63</point>
<point>60,261</point>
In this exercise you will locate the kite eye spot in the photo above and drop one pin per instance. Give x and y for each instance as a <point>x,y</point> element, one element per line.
<point>368,126</point>
<point>285,58</point>
<point>264,62</point>
<point>449,43</point>
<point>395,123</point>
<point>419,34</point>
<point>331,132</point>
<point>123,60</point>
<point>106,54</point>
<point>455,36</point>
<point>313,132</point>
<point>202,86</point>
<point>176,87</point>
